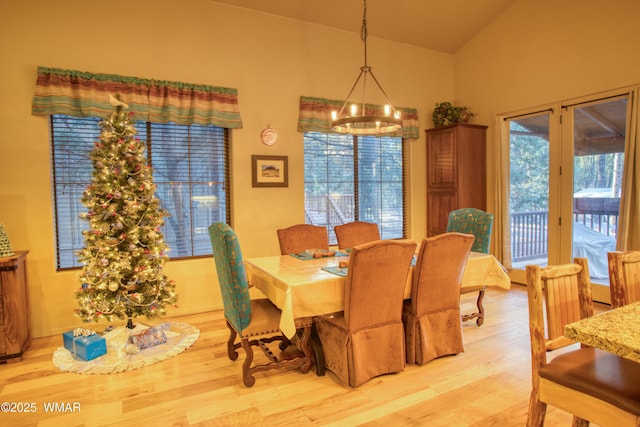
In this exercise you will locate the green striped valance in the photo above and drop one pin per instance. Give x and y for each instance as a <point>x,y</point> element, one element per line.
<point>83,94</point>
<point>315,116</point>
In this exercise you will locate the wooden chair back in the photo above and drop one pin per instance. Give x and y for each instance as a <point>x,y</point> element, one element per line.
<point>563,292</point>
<point>624,277</point>
<point>594,385</point>
<point>564,289</point>
<point>300,237</point>
<point>356,233</point>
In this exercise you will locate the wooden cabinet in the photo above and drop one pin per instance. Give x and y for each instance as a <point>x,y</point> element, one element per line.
<point>14,307</point>
<point>456,172</point>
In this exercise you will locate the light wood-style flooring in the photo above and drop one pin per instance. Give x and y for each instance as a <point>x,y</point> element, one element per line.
<point>487,385</point>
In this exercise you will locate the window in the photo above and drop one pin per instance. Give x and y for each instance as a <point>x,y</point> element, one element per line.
<point>191,172</point>
<point>349,178</point>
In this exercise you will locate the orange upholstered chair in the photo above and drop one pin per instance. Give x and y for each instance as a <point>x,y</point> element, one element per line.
<point>367,338</point>
<point>300,237</point>
<point>432,316</point>
<point>356,233</point>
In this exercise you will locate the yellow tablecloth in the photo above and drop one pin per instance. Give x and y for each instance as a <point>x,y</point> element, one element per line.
<point>302,289</point>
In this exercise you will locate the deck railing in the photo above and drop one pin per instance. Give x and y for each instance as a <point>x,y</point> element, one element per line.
<point>529,230</point>
<point>529,235</point>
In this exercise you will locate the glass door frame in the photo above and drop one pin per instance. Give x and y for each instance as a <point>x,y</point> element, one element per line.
<point>600,290</point>
<point>561,175</point>
<point>518,275</point>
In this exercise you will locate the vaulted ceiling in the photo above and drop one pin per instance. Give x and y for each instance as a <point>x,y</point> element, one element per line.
<point>442,25</point>
<point>445,26</point>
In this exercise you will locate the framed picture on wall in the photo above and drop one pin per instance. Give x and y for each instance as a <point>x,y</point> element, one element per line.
<point>269,171</point>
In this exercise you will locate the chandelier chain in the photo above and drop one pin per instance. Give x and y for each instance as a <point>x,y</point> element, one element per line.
<point>365,122</point>
<point>364,33</point>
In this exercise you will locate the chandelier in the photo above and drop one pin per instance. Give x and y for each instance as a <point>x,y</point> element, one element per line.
<point>356,120</point>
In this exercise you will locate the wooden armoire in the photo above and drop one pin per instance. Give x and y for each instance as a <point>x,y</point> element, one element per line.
<point>456,172</point>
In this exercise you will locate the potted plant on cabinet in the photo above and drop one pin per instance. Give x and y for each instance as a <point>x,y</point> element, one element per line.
<point>446,114</point>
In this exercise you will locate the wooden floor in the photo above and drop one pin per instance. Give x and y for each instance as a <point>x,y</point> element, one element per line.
<point>487,385</point>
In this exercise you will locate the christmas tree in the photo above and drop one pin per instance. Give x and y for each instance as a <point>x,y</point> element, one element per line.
<point>5,245</point>
<point>124,251</point>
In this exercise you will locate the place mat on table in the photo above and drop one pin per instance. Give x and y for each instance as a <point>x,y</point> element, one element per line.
<point>339,271</point>
<point>306,257</point>
<point>342,271</point>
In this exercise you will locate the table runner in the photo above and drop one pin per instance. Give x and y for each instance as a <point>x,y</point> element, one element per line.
<point>307,257</point>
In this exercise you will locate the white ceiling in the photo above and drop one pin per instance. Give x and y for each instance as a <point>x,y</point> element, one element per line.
<point>442,25</point>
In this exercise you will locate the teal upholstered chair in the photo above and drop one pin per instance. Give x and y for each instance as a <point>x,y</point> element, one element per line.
<point>255,321</point>
<point>478,223</point>
<point>473,221</point>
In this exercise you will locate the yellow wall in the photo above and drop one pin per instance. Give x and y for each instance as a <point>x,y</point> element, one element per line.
<point>542,51</point>
<point>271,61</point>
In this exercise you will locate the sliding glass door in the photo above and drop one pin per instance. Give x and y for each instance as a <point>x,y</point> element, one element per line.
<point>533,155</point>
<point>529,189</point>
<point>565,173</point>
<point>598,131</point>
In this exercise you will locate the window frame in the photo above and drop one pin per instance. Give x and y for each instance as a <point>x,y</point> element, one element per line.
<point>358,182</point>
<point>66,219</point>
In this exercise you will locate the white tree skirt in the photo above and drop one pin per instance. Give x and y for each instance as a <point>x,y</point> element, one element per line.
<point>180,336</point>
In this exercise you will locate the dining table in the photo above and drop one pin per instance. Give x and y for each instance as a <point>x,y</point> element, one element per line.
<point>616,331</point>
<point>304,287</point>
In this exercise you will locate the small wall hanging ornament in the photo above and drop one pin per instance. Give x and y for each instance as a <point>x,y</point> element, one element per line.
<point>5,245</point>
<point>269,136</point>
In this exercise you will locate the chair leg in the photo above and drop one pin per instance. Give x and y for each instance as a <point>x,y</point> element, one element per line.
<point>304,347</point>
<point>301,358</point>
<point>247,378</point>
<point>579,422</point>
<point>284,343</point>
<point>318,353</point>
<point>231,345</point>
<point>480,319</point>
<point>479,315</point>
<point>537,411</point>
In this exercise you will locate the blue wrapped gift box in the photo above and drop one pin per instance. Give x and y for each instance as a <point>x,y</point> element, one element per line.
<point>85,347</point>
